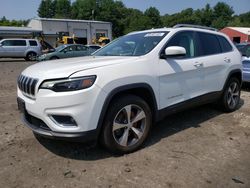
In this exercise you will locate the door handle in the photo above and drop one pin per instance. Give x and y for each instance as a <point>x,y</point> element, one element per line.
<point>227,60</point>
<point>197,64</point>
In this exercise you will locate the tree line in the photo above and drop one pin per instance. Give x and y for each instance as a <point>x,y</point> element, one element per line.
<point>125,20</point>
<point>19,23</point>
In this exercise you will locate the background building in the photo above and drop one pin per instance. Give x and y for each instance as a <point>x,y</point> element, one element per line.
<point>237,34</point>
<point>51,29</point>
<point>87,29</point>
<point>18,32</point>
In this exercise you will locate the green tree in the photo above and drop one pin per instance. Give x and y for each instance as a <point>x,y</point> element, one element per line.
<point>5,22</point>
<point>46,9</point>
<point>135,21</point>
<point>187,16</point>
<point>154,18</point>
<point>114,12</point>
<point>222,15</point>
<point>62,9</point>
<point>205,15</point>
<point>83,9</point>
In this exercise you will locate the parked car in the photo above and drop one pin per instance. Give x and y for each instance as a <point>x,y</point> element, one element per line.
<point>20,48</point>
<point>94,47</point>
<point>118,93</point>
<point>67,51</point>
<point>244,48</point>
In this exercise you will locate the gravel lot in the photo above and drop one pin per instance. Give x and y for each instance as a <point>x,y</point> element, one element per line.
<point>197,148</point>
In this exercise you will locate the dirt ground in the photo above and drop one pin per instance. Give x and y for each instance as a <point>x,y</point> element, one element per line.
<point>196,148</point>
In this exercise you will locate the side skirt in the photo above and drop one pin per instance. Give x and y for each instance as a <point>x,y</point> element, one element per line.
<point>197,101</point>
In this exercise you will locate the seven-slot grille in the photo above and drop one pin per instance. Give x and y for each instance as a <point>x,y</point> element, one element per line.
<point>27,85</point>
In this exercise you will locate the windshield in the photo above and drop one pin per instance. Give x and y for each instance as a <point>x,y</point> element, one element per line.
<point>60,48</point>
<point>132,45</point>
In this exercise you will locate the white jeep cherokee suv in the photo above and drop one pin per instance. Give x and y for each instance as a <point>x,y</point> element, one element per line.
<point>118,93</point>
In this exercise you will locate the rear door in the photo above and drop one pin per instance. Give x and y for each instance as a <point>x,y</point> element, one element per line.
<point>81,51</point>
<point>67,52</point>
<point>215,59</point>
<point>20,47</point>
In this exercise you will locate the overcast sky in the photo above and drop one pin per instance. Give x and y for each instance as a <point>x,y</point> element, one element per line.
<point>25,9</point>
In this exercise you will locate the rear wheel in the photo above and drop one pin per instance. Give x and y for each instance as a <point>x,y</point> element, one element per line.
<point>31,56</point>
<point>231,95</point>
<point>127,124</point>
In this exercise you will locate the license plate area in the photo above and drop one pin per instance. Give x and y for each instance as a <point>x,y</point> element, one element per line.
<point>21,105</point>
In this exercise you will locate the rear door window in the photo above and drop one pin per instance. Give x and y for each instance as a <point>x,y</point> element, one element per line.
<point>70,48</point>
<point>209,44</point>
<point>19,43</point>
<point>225,45</point>
<point>33,43</point>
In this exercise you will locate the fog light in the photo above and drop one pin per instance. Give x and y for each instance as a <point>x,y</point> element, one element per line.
<point>64,120</point>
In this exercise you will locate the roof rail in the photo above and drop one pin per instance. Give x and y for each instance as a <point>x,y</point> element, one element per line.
<point>195,26</point>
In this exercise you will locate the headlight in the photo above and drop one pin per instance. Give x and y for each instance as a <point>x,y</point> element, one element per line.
<point>70,84</point>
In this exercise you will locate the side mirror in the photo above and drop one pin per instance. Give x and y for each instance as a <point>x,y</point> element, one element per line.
<point>51,50</point>
<point>174,51</point>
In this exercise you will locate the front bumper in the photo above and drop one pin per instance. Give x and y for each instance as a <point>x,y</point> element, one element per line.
<point>40,128</point>
<point>84,106</point>
<point>246,75</point>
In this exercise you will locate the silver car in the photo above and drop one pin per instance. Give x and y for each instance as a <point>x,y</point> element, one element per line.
<point>20,48</point>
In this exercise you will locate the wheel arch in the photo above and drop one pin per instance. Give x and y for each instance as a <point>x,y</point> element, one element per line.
<point>30,51</point>
<point>142,90</point>
<point>237,73</point>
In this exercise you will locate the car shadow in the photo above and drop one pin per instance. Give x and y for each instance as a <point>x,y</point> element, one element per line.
<point>11,60</point>
<point>192,118</point>
<point>174,124</point>
<point>3,60</point>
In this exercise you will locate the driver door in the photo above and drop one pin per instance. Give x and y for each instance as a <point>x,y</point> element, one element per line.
<point>7,48</point>
<point>68,52</point>
<point>181,78</point>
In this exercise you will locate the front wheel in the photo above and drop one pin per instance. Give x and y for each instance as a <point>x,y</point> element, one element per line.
<point>31,56</point>
<point>127,124</point>
<point>231,95</point>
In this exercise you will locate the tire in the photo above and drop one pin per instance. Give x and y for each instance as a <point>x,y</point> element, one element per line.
<point>54,58</point>
<point>121,134</point>
<point>31,56</point>
<point>231,95</point>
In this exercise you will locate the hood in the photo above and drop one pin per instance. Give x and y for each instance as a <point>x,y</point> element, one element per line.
<point>63,68</point>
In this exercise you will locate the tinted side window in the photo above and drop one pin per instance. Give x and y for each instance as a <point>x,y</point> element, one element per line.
<point>33,43</point>
<point>95,47</point>
<point>81,48</point>
<point>246,51</point>
<point>70,49</point>
<point>19,42</point>
<point>8,43</point>
<point>209,44</point>
<point>186,40</point>
<point>225,45</point>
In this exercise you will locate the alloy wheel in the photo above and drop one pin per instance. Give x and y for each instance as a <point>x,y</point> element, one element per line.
<point>32,56</point>
<point>129,125</point>
<point>233,95</point>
